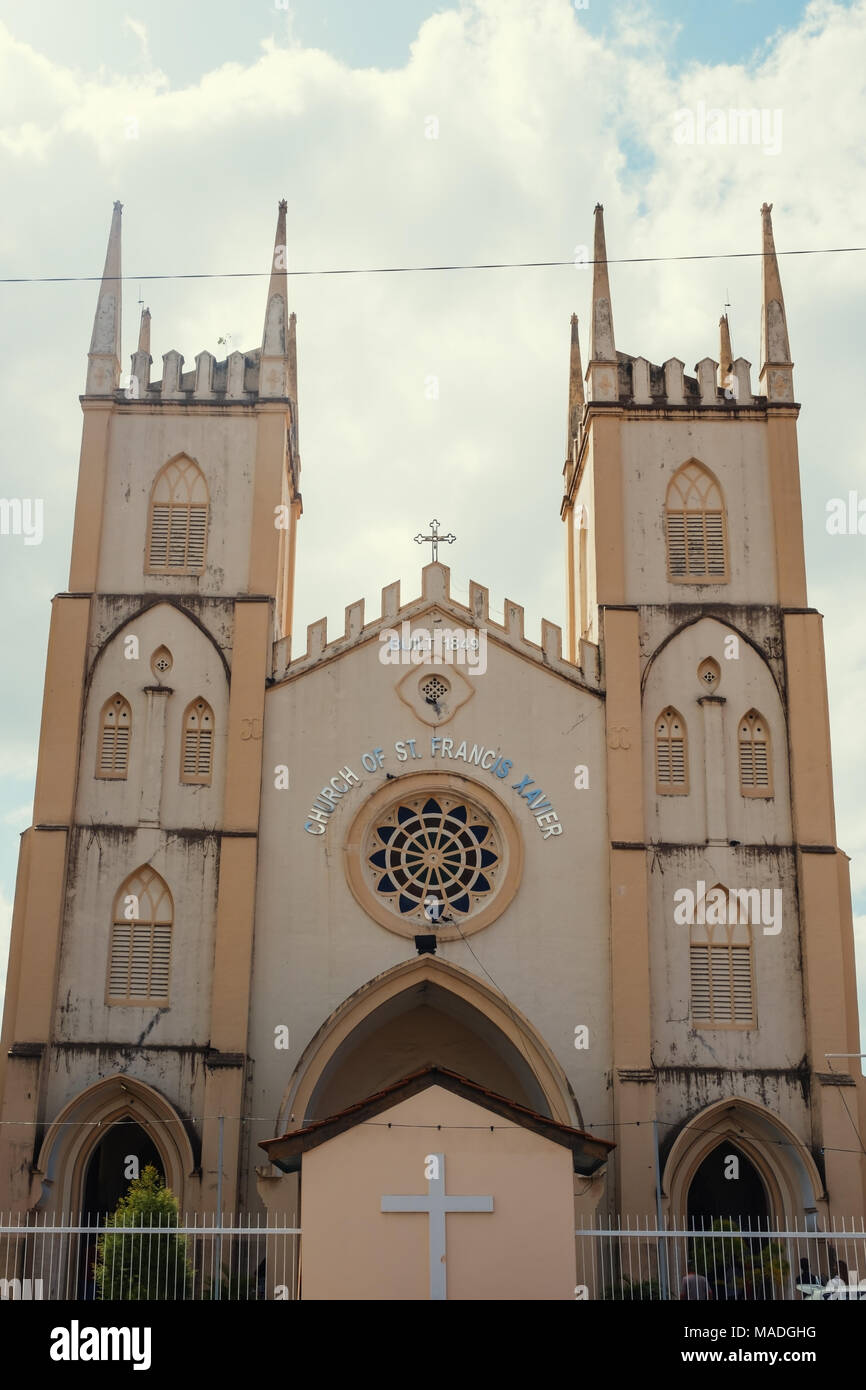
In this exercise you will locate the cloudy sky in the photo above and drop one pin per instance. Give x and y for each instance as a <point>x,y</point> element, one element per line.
<point>200,117</point>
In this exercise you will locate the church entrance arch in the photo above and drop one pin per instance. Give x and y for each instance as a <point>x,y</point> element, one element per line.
<point>728,1186</point>
<point>425,1012</point>
<point>78,1161</point>
<point>777,1180</point>
<point>123,1152</point>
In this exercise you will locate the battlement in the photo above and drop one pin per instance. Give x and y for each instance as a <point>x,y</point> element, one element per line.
<point>640,382</point>
<point>268,372</point>
<point>234,379</point>
<point>616,379</point>
<point>436,593</point>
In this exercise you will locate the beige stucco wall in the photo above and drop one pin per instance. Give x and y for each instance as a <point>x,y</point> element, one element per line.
<point>523,1249</point>
<point>98,863</point>
<point>197,671</point>
<point>223,444</point>
<point>735,450</point>
<point>315,945</point>
<point>745,683</point>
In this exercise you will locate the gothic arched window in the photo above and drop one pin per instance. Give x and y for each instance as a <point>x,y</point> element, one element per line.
<point>695,527</point>
<point>720,961</point>
<point>139,957</point>
<point>756,769</point>
<point>177,524</point>
<point>196,757</point>
<point>672,754</point>
<point>115,732</point>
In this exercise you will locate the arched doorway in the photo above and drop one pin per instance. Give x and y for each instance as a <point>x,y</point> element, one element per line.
<point>727,1186</point>
<point>121,1155</point>
<point>778,1180</point>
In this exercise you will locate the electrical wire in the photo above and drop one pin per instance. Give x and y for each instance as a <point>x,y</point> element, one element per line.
<point>423,269</point>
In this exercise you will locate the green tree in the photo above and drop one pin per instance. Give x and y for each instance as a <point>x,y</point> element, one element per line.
<point>141,1266</point>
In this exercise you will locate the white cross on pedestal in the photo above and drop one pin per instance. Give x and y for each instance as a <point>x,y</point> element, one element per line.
<point>436,1204</point>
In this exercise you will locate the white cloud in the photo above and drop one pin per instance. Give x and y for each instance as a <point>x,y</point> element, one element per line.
<point>535,118</point>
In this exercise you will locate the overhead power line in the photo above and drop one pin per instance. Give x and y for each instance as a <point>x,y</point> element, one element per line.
<point>421,269</point>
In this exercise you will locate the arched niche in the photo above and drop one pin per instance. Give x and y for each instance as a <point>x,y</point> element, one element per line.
<point>455,1020</point>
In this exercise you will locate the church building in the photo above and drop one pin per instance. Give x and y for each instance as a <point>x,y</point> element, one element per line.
<point>435,938</point>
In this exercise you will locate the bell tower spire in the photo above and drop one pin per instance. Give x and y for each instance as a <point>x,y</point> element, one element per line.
<point>276,348</point>
<point>575,388</point>
<point>726,356</point>
<point>776,375</point>
<point>601,374</point>
<point>103,359</point>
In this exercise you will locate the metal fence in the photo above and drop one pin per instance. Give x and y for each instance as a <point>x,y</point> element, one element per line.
<point>720,1260</point>
<point>90,1258</point>
<point>241,1259</point>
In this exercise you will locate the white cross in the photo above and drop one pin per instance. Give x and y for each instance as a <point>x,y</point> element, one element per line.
<point>436,1204</point>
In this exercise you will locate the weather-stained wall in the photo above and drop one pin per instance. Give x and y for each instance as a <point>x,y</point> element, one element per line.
<point>735,451</point>
<point>712,804</point>
<point>160,646</point>
<point>223,445</point>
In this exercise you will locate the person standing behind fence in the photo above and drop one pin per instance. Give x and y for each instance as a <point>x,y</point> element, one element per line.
<point>695,1285</point>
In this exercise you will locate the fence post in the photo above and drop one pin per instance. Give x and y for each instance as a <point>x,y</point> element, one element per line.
<point>219,1259</point>
<point>662,1254</point>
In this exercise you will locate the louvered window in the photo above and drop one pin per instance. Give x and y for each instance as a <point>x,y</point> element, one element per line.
<point>177,527</point>
<point>756,774</point>
<point>671,749</point>
<point>139,961</point>
<point>722,985</point>
<point>115,731</point>
<point>695,527</point>
<point>196,762</point>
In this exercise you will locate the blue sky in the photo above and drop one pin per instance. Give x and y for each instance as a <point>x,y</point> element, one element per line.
<point>545,109</point>
<point>188,40</point>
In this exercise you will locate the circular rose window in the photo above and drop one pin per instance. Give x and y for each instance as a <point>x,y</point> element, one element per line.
<point>434,859</point>
<point>436,854</point>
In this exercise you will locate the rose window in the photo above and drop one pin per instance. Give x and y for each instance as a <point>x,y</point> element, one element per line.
<point>434,857</point>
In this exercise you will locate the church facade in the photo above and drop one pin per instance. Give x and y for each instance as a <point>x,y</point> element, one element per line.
<point>588,885</point>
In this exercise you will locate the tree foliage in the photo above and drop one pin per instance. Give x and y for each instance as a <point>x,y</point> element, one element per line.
<point>137,1265</point>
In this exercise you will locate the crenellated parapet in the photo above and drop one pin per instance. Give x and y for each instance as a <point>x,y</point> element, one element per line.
<point>436,594</point>
<point>616,381</point>
<point>265,373</point>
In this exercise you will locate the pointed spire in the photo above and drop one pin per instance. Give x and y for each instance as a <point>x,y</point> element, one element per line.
<point>776,374</point>
<point>103,360</point>
<point>601,374</point>
<point>144,331</point>
<point>141,360</point>
<point>601,347</point>
<point>575,387</point>
<point>274,370</point>
<point>726,356</point>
